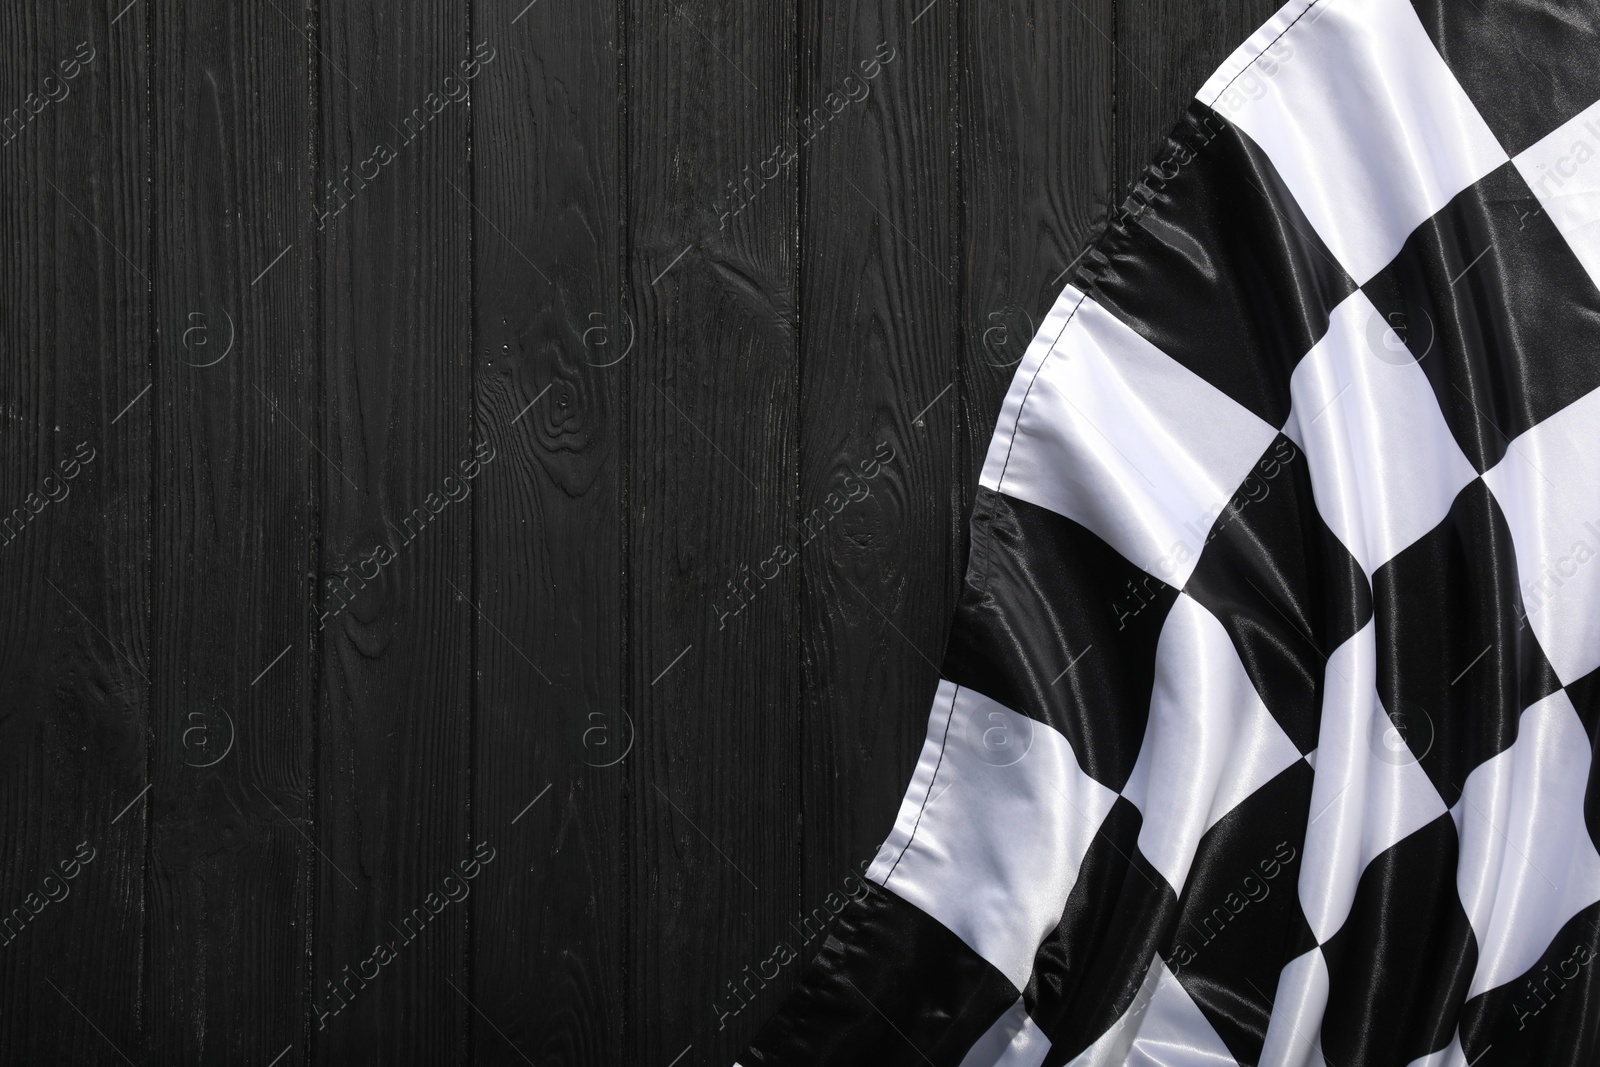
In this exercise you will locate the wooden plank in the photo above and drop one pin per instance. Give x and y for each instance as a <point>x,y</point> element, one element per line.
<point>391,793</point>
<point>711,493</point>
<point>1166,49</point>
<point>551,351</point>
<point>235,395</point>
<point>880,404</point>
<point>74,551</point>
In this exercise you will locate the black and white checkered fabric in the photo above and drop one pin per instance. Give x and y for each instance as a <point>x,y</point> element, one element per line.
<point>1269,717</point>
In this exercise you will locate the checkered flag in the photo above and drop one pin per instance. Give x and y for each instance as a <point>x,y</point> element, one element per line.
<point>1266,731</point>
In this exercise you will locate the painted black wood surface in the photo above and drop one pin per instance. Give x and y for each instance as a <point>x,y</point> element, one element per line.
<point>482,485</point>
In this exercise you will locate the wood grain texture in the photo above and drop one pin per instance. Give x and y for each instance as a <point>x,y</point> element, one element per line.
<point>879,388</point>
<point>75,657</point>
<point>234,482</point>
<point>392,789</point>
<point>712,490</point>
<point>552,349</point>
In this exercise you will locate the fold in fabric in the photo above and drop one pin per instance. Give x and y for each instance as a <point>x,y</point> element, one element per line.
<point>1266,730</point>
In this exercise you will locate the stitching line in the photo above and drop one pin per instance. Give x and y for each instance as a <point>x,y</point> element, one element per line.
<point>1000,482</point>
<point>944,743</point>
<point>1257,57</point>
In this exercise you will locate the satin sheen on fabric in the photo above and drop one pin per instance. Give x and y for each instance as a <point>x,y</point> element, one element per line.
<point>1266,730</point>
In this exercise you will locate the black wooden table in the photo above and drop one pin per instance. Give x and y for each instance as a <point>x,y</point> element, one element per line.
<point>482,485</point>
